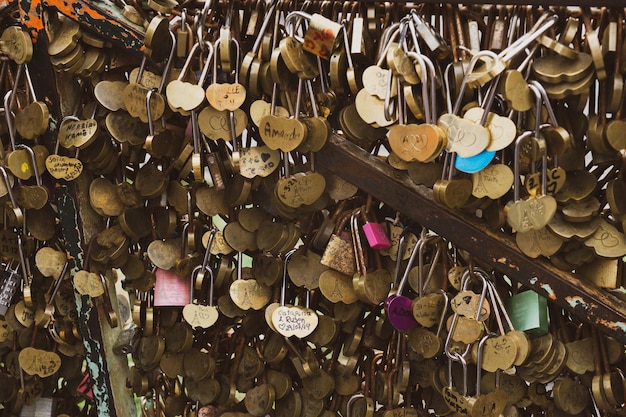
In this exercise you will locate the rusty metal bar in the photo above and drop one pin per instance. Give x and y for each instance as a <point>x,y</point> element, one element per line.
<point>498,250</point>
<point>103,17</point>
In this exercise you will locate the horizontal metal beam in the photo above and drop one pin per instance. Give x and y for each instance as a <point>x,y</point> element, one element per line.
<point>496,249</point>
<point>103,17</point>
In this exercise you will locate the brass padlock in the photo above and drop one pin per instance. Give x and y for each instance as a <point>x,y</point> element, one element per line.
<point>339,252</point>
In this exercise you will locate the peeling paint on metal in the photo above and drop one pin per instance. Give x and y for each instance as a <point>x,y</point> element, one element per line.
<point>95,360</point>
<point>30,13</point>
<point>577,302</point>
<point>612,325</point>
<point>107,24</point>
<point>506,262</point>
<point>548,289</point>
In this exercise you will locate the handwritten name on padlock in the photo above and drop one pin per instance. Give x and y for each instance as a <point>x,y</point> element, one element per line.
<point>39,362</point>
<point>64,167</point>
<point>282,133</point>
<point>226,96</point>
<point>294,321</point>
<point>76,133</point>
<point>258,161</point>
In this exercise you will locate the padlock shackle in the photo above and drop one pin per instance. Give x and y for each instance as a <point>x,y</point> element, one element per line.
<point>468,72</point>
<point>537,88</point>
<point>545,22</point>
<point>202,19</point>
<point>390,106</point>
<point>420,261</point>
<point>5,177</point>
<point>23,261</point>
<point>283,288</point>
<point>417,250</point>
<point>359,256</point>
<point>268,17</point>
<point>29,83</point>
<point>465,280</point>
<point>8,114</point>
<point>400,254</point>
<point>479,360</point>
<point>516,163</point>
<point>457,357</point>
<point>33,159</point>
<point>499,304</point>
<point>309,86</point>
<point>350,401</point>
<point>427,70</point>
<point>442,317</point>
<point>149,111</point>
<point>170,59</point>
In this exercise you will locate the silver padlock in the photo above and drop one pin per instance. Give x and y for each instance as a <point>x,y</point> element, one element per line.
<point>127,341</point>
<point>43,407</point>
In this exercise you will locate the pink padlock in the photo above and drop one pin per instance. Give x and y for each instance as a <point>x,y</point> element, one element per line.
<point>375,233</point>
<point>170,289</point>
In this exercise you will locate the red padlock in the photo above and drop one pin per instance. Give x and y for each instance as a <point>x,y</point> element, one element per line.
<point>374,232</point>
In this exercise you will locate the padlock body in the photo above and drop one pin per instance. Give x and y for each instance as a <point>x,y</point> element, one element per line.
<point>376,236</point>
<point>170,289</point>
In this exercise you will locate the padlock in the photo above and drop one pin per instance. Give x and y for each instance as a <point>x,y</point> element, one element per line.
<point>199,312</point>
<point>291,320</point>
<point>457,401</point>
<point>43,407</point>
<point>397,306</point>
<point>371,286</point>
<point>127,341</point>
<point>339,252</point>
<point>529,312</point>
<point>170,289</point>
<point>535,211</point>
<point>486,405</point>
<point>375,233</point>
<point>10,285</point>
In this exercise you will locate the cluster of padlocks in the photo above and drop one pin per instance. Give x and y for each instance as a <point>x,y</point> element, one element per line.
<point>246,281</point>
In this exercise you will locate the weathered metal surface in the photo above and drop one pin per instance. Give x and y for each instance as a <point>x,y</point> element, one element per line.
<point>103,17</point>
<point>496,249</point>
<point>87,315</point>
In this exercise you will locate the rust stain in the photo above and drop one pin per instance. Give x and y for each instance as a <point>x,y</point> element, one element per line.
<point>578,302</point>
<point>548,289</point>
<point>506,262</point>
<point>615,325</point>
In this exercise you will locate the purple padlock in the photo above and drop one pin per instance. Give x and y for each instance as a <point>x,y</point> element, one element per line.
<point>399,307</point>
<point>375,234</point>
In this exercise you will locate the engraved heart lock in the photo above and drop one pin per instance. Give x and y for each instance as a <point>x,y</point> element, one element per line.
<point>289,320</point>
<point>465,138</point>
<point>195,313</point>
<point>248,293</point>
<point>534,212</point>
<point>225,96</point>
<point>182,96</point>
<point>432,140</point>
